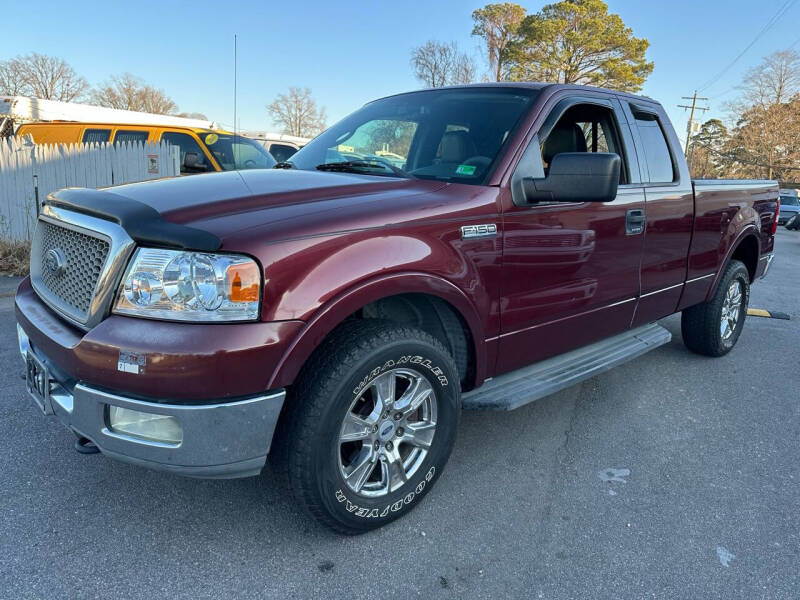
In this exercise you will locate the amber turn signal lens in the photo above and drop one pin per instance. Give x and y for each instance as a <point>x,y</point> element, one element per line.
<point>243,282</point>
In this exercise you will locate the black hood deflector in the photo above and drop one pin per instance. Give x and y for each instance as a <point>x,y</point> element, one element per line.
<point>142,222</point>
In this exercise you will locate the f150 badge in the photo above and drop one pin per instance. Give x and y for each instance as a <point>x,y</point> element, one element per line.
<point>478,231</point>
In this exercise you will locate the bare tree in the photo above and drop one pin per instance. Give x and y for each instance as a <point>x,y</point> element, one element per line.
<point>132,93</point>
<point>497,24</point>
<point>463,70</point>
<point>297,113</point>
<point>437,64</point>
<point>193,115</point>
<point>775,80</point>
<point>11,82</point>
<point>41,76</point>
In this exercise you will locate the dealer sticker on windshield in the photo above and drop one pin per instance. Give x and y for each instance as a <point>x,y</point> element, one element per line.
<point>467,170</point>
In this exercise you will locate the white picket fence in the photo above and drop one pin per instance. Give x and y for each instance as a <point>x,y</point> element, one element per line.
<point>28,171</point>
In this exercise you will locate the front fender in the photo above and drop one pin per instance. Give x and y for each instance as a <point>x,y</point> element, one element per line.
<point>332,313</point>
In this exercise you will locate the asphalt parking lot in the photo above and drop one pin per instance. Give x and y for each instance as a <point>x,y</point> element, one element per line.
<point>674,476</point>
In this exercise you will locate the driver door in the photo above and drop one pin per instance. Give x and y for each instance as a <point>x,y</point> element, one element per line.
<point>570,272</point>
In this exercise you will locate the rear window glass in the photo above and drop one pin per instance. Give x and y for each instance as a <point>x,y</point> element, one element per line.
<point>656,149</point>
<point>789,200</point>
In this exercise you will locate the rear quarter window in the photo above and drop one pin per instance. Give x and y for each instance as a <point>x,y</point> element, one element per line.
<point>656,150</point>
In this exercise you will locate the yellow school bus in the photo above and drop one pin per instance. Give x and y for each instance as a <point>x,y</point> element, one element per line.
<point>202,150</point>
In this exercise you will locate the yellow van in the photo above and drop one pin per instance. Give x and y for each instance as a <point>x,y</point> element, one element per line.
<point>201,149</point>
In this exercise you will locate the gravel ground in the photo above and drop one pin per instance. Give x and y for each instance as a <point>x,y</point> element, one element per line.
<point>674,476</point>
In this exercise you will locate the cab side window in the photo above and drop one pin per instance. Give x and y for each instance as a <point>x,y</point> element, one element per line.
<point>186,143</point>
<point>585,128</point>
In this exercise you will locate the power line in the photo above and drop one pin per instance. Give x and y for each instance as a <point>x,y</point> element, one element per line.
<point>738,86</point>
<point>769,25</point>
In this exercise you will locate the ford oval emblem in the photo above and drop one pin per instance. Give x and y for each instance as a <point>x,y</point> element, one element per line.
<point>386,431</point>
<point>55,261</point>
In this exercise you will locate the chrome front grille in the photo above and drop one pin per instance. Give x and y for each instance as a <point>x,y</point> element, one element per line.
<point>83,256</point>
<point>76,263</point>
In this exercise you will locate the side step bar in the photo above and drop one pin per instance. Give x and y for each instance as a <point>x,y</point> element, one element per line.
<point>520,387</point>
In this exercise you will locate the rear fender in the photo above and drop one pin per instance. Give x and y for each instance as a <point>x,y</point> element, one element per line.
<point>748,230</point>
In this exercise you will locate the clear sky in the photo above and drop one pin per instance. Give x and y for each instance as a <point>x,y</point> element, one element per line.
<point>349,52</point>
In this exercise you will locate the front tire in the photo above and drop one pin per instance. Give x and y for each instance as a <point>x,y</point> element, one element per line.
<point>713,328</point>
<point>372,423</point>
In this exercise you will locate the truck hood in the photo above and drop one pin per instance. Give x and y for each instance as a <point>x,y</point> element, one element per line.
<point>281,202</point>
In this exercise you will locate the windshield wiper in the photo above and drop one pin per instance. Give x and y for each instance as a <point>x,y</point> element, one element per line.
<point>284,164</point>
<point>357,166</point>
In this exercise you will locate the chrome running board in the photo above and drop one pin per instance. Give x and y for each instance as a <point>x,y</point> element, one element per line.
<point>525,385</point>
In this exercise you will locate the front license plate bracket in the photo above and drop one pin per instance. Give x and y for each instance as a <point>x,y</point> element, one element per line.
<point>38,382</point>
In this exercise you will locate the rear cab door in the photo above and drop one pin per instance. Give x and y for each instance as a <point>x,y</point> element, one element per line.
<point>669,209</point>
<point>570,270</point>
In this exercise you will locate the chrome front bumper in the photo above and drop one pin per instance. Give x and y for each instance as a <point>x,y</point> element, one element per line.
<point>222,440</point>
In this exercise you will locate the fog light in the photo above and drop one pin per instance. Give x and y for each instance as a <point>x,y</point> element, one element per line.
<point>147,426</point>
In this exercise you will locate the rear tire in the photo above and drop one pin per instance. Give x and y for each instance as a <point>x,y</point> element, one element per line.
<point>713,328</point>
<point>371,424</point>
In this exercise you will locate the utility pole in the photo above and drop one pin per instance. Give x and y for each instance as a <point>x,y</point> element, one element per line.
<point>692,108</point>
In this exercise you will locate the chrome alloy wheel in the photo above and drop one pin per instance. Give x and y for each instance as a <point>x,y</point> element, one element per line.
<point>731,310</point>
<point>387,433</point>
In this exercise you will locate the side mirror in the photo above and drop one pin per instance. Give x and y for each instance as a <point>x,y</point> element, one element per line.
<point>577,177</point>
<point>191,162</point>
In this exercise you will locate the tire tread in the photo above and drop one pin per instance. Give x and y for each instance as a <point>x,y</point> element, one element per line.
<point>700,323</point>
<point>315,386</point>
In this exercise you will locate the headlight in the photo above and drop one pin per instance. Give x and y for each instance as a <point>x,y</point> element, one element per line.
<point>190,286</point>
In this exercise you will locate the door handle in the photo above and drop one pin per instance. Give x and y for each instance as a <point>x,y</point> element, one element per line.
<point>634,221</point>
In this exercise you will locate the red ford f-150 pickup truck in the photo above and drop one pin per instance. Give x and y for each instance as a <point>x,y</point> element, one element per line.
<point>477,247</point>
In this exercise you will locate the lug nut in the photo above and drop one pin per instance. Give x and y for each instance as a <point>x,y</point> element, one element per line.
<point>397,416</point>
<point>376,445</point>
<point>389,446</point>
<point>400,432</point>
<point>374,428</point>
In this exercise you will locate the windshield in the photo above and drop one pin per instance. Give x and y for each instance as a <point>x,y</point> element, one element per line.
<point>237,152</point>
<point>449,134</point>
<point>787,200</point>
